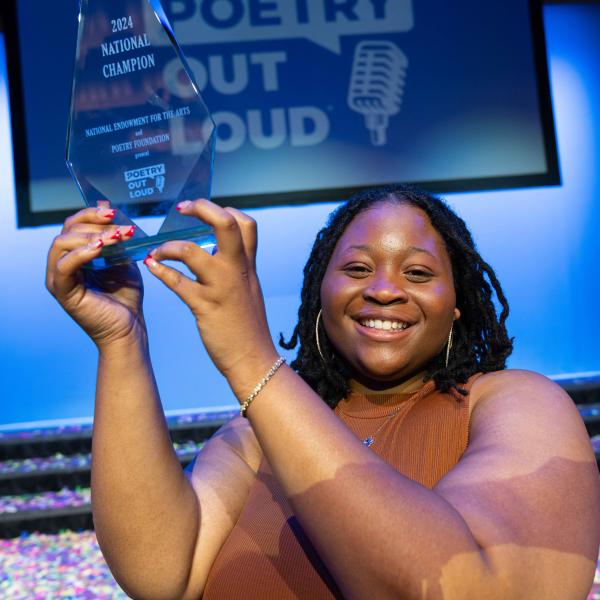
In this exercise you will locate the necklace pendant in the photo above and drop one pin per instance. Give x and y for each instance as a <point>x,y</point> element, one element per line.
<point>368,442</point>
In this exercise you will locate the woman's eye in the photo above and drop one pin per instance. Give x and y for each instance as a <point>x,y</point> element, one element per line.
<point>418,275</point>
<point>357,270</point>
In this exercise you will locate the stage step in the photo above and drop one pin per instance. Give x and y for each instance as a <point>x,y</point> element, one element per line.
<point>31,475</point>
<point>77,439</point>
<point>45,473</point>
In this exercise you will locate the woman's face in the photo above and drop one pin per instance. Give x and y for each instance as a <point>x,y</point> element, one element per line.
<point>388,295</point>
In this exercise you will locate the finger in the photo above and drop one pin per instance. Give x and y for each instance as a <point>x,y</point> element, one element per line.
<point>79,237</point>
<point>227,231</point>
<point>176,281</point>
<point>73,250</point>
<point>195,258</point>
<point>63,278</point>
<point>67,242</point>
<point>102,229</point>
<point>101,215</point>
<point>63,244</point>
<point>247,227</point>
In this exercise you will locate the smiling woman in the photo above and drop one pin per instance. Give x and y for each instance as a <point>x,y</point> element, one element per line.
<point>402,253</point>
<point>389,269</point>
<point>431,477</point>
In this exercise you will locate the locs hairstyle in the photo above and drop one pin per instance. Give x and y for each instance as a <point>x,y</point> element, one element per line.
<point>481,342</point>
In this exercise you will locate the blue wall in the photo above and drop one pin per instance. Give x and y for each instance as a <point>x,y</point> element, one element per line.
<point>544,244</point>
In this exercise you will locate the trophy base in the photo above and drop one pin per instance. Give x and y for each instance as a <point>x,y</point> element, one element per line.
<point>138,248</point>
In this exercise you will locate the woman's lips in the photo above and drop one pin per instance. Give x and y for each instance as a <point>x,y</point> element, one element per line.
<point>383,329</point>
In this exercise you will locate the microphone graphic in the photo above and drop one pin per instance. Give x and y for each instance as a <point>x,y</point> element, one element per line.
<point>377,85</point>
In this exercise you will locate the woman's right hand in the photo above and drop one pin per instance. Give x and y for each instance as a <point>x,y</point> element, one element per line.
<point>107,304</point>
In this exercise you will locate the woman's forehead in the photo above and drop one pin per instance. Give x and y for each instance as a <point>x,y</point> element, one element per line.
<point>394,227</point>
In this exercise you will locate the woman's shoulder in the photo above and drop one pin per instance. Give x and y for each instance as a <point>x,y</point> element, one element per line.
<point>515,400</point>
<point>512,378</point>
<point>519,385</point>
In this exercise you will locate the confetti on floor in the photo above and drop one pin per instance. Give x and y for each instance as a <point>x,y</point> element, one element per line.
<point>61,462</point>
<point>70,566</point>
<point>595,591</point>
<point>65,498</point>
<point>44,567</point>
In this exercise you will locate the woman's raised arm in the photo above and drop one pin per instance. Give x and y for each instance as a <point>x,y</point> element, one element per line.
<point>516,518</point>
<point>159,530</point>
<point>147,513</point>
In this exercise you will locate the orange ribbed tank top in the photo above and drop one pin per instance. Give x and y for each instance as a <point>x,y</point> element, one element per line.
<point>268,556</point>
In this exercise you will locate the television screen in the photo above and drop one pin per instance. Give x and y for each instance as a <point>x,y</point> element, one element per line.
<point>313,98</point>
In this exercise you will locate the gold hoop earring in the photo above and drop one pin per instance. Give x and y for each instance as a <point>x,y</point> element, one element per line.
<point>449,344</point>
<point>317,335</point>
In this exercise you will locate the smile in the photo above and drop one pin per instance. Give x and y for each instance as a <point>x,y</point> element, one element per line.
<point>384,325</point>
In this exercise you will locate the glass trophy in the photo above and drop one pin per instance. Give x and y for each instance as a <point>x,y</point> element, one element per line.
<point>139,133</point>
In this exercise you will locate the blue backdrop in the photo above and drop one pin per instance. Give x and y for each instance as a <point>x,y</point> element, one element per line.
<point>543,243</point>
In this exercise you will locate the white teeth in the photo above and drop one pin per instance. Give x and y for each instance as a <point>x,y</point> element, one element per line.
<point>384,325</point>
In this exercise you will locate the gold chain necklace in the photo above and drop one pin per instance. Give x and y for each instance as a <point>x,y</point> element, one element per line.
<point>370,440</point>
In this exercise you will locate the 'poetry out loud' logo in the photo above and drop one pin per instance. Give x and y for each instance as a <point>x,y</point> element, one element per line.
<point>145,181</point>
<point>376,80</point>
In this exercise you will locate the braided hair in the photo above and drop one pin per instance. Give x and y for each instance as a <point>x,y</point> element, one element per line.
<point>480,338</point>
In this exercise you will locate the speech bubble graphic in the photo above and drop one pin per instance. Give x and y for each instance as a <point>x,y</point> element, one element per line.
<point>322,22</point>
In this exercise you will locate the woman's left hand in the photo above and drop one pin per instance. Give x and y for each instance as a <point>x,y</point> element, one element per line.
<point>225,299</point>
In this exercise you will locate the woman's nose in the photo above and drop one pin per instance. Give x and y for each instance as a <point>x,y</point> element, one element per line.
<point>385,290</point>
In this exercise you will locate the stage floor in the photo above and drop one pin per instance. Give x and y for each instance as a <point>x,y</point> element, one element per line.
<point>70,565</point>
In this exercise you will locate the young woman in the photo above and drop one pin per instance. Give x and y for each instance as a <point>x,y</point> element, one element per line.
<point>395,457</point>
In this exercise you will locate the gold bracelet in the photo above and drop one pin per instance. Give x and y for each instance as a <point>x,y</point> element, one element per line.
<point>258,389</point>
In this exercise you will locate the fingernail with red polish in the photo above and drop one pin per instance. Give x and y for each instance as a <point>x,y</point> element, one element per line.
<point>149,261</point>
<point>96,245</point>
<point>130,231</point>
<point>183,205</point>
<point>116,235</point>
